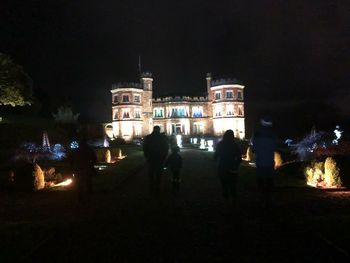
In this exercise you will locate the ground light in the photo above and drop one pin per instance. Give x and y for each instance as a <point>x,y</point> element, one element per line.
<point>179,140</point>
<point>100,166</point>
<point>202,144</point>
<point>210,145</point>
<point>64,183</point>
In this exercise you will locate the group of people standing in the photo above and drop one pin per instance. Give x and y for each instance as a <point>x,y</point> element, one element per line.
<point>155,148</point>
<point>228,156</point>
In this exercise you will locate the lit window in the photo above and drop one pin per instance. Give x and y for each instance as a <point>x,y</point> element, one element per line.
<point>217,95</point>
<point>178,112</point>
<point>217,111</point>
<point>239,95</point>
<point>229,94</point>
<point>126,115</point>
<point>240,111</point>
<point>115,115</point>
<point>125,98</point>
<point>229,111</point>
<point>158,113</point>
<point>137,98</point>
<point>137,114</point>
<point>197,112</point>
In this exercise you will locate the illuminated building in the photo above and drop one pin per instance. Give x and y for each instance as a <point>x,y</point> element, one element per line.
<point>135,111</point>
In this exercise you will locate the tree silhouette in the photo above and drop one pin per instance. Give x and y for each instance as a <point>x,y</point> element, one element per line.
<point>15,84</point>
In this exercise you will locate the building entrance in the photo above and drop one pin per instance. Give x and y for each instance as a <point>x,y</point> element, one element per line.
<point>177,128</point>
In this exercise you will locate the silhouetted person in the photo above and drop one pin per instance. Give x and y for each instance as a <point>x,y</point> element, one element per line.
<point>174,163</point>
<point>229,157</point>
<point>83,160</point>
<point>155,148</point>
<point>264,147</point>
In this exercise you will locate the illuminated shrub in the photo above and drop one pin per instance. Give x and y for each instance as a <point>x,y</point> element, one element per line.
<point>314,173</point>
<point>331,173</point>
<point>323,175</point>
<point>249,154</point>
<point>116,153</point>
<point>278,160</point>
<point>39,179</point>
<point>101,155</point>
<point>105,155</point>
<point>108,156</point>
<point>49,174</point>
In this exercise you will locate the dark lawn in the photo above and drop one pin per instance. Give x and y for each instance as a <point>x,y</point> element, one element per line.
<point>123,224</point>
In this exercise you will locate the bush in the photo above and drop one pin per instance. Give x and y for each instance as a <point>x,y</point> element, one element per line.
<point>249,154</point>
<point>106,155</point>
<point>331,173</point>
<point>101,155</point>
<point>116,152</point>
<point>314,173</point>
<point>323,174</point>
<point>39,179</point>
<point>278,160</point>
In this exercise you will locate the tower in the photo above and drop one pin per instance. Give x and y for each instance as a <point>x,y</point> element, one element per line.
<point>210,95</point>
<point>147,112</point>
<point>209,104</point>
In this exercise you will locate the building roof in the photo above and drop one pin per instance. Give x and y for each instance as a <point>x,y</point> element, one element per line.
<point>229,81</point>
<point>120,85</point>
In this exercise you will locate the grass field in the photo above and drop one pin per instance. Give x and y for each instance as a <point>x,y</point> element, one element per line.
<point>27,219</point>
<point>30,219</point>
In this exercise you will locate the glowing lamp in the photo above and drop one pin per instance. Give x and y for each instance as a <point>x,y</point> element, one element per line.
<point>202,144</point>
<point>179,140</point>
<point>210,145</point>
<point>74,145</point>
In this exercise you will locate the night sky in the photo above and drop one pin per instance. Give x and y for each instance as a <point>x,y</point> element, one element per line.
<point>289,54</point>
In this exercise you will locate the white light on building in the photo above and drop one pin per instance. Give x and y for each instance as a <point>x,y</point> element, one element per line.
<point>179,140</point>
<point>202,144</point>
<point>210,145</point>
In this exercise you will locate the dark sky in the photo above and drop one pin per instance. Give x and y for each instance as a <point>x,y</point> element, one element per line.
<point>285,52</point>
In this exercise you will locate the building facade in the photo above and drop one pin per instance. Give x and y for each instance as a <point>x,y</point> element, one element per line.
<point>135,111</point>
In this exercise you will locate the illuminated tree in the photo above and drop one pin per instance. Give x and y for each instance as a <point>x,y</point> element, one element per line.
<point>331,173</point>
<point>15,84</point>
<point>39,179</point>
<point>278,160</point>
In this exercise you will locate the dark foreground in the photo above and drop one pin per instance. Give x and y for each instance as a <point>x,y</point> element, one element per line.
<point>128,225</point>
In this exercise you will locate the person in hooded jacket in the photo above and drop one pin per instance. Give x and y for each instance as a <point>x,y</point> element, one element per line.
<point>83,160</point>
<point>228,155</point>
<point>263,146</point>
<point>155,149</point>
